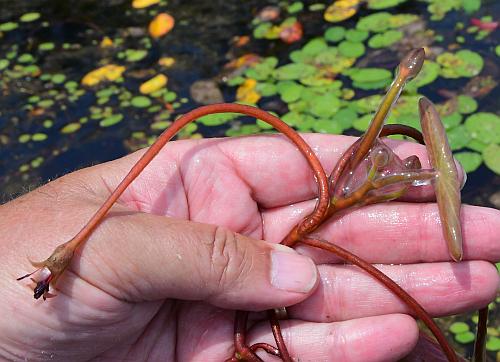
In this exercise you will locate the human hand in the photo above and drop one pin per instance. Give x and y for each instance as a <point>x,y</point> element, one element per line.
<point>149,287</point>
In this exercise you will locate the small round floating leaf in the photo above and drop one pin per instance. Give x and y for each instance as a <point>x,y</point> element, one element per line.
<point>470,161</point>
<point>217,119</point>
<point>26,58</point>
<point>341,10</point>
<point>493,344</point>
<point>351,49</point>
<point>458,137</point>
<point>428,74</point>
<point>452,120</point>
<point>9,26</point>
<point>465,337</point>
<point>46,103</point>
<point>4,63</point>
<point>335,34</point>
<point>325,106</point>
<point>289,91</point>
<point>447,184</point>
<point>484,126</point>
<point>385,39</point>
<point>152,85</point>
<point>315,46</point>
<point>376,22</point>
<point>111,120</point>
<point>356,35</point>
<point>369,74</point>
<point>135,55</point>
<point>459,327</point>
<point>491,157</point>
<point>140,4</point>
<point>466,104</point>
<point>361,124</point>
<point>294,71</point>
<point>295,7</point>
<point>29,17</point>
<point>58,78</point>
<point>71,128</point>
<point>162,24</point>
<point>161,125</point>
<point>38,137</point>
<point>24,138</point>
<point>140,102</point>
<point>383,4</point>
<point>48,123</point>
<point>46,46</point>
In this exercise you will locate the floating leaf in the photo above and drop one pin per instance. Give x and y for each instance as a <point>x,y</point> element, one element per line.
<point>325,106</point>
<point>428,74</point>
<point>4,63</point>
<point>38,137</point>
<point>466,104</point>
<point>464,63</point>
<point>369,78</point>
<point>452,120</point>
<point>493,344</point>
<point>289,91</point>
<point>295,7</point>
<point>9,26</point>
<point>464,338</point>
<point>110,72</point>
<point>139,4</point>
<point>217,119</point>
<point>247,93</point>
<point>152,85</point>
<point>135,55</point>
<point>383,4</point>
<point>361,124</point>
<point>447,184</point>
<point>335,34</point>
<point>470,161</point>
<point>290,33</point>
<point>28,17</point>
<point>491,157</point>
<point>166,62</point>
<point>341,10</point>
<point>71,128</point>
<point>294,71</point>
<point>351,49</point>
<point>376,22</point>
<point>315,46</point>
<point>385,39</point>
<point>459,327</point>
<point>162,24</point>
<point>484,127</point>
<point>46,46</point>
<point>24,138</point>
<point>356,35</point>
<point>111,120</point>
<point>458,137</point>
<point>140,102</point>
<point>58,78</point>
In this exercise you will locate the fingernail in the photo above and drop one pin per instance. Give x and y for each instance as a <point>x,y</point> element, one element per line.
<point>292,272</point>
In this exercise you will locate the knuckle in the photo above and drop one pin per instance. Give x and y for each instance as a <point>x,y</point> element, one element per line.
<point>228,260</point>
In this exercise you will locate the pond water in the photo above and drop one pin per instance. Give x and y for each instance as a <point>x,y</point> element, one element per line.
<point>52,124</point>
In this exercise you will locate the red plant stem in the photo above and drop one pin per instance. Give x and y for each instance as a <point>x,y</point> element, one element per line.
<point>391,285</point>
<point>266,347</point>
<point>278,337</point>
<point>480,342</point>
<point>147,157</point>
<point>401,129</point>
<point>241,350</point>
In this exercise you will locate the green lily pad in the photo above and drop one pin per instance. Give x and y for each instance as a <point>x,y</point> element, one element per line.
<point>451,120</point>
<point>26,58</point>
<point>315,46</point>
<point>46,46</point>
<point>459,327</point>
<point>217,119</point>
<point>295,7</point>
<point>344,118</point>
<point>111,120</point>
<point>458,137</point>
<point>399,20</point>
<point>24,138</point>
<point>493,344</point>
<point>327,126</point>
<point>470,161</point>
<point>45,103</point>
<point>8,26</point>
<point>294,71</point>
<point>471,6</point>
<point>289,91</point>
<point>385,39</point>
<point>491,157</point>
<point>335,34</point>
<point>351,49</point>
<point>383,4</point>
<point>362,123</point>
<point>466,104</point>
<point>38,137</point>
<point>465,337</point>
<point>135,55</point>
<point>367,104</point>
<point>29,17</point>
<point>356,35</point>
<point>325,106</point>
<point>484,126</point>
<point>368,74</point>
<point>266,89</point>
<point>58,78</point>
<point>71,128</point>
<point>4,63</point>
<point>428,74</point>
<point>464,63</point>
<point>261,30</point>
<point>140,102</point>
<point>376,22</point>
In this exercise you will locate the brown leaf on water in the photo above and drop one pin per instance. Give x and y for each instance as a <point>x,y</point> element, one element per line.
<point>447,185</point>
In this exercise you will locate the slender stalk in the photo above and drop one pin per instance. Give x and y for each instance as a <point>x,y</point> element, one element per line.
<point>278,337</point>
<point>480,342</point>
<point>391,285</point>
<point>401,129</point>
<point>242,352</point>
<point>266,347</point>
<point>167,135</point>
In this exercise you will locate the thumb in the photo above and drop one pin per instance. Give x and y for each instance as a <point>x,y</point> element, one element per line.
<point>141,257</point>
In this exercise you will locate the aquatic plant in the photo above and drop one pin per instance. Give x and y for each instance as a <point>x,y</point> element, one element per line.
<point>368,172</point>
